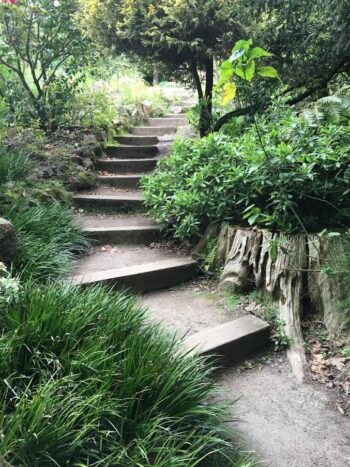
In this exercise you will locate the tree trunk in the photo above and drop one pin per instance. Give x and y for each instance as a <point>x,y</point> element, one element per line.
<point>327,260</point>
<point>207,106</point>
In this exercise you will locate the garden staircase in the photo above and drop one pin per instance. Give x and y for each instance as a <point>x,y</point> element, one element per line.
<point>123,234</point>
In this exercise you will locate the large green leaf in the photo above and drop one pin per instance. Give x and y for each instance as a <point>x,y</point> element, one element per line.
<point>242,44</point>
<point>239,70</point>
<point>258,52</point>
<point>250,70</point>
<point>227,72</point>
<point>268,72</point>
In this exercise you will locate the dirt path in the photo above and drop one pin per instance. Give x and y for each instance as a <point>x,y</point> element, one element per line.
<point>286,424</point>
<point>289,425</point>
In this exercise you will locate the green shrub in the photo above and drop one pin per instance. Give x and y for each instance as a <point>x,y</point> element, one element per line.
<point>85,381</point>
<point>48,239</point>
<point>93,106</point>
<point>289,177</point>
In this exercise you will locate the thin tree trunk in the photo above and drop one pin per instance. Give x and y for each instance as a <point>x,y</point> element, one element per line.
<point>207,106</point>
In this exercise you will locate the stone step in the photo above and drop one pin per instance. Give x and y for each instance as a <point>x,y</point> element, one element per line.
<point>143,277</point>
<point>153,131</point>
<point>138,140</point>
<point>126,166</point>
<point>122,201</point>
<point>131,152</point>
<point>231,341</point>
<point>179,116</point>
<point>165,122</point>
<point>120,181</point>
<point>136,235</point>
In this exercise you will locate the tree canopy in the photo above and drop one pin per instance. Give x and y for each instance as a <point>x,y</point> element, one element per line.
<point>185,35</point>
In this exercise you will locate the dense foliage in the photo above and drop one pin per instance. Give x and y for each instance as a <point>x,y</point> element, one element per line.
<point>41,55</point>
<point>288,176</point>
<point>303,35</point>
<point>84,381</point>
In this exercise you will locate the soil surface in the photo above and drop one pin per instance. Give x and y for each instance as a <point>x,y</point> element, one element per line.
<point>286,424</point>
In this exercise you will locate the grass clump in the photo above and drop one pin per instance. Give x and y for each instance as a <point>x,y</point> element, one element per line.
<point>48,239</point>
<point>13,167</point>
<point>85,381</point>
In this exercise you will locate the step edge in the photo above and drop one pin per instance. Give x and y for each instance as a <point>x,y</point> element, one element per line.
<point>192,343</point>
<point>131,228</point>
<point>120,177</point>
<point>129,271</point>
<point>115,159</point>
<point>108,197</point>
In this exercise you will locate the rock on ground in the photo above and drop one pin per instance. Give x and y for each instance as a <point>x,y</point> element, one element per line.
<point>7,241</point>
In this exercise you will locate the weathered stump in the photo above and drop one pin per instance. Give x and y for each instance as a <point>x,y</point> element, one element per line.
<point>290,268</point>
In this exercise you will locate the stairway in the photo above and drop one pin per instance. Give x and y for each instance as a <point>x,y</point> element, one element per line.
<point>132,264</point>
<point>123,234</point>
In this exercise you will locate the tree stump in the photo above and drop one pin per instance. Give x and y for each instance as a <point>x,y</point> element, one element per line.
<point>290,268</point>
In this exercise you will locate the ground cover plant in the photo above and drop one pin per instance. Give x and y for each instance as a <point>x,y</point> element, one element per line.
<point>288,176</point>
<point>84,381</point>
<point>115,92</point>
<point>48,237</point>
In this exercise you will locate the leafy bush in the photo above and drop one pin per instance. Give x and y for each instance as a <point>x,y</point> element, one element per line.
<point>287,176</point>
<point>48,239</point>
<point>93,106</point>
<point>85,381</point>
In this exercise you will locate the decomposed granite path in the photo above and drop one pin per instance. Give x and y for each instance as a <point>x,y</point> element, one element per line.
<point>124,257</point>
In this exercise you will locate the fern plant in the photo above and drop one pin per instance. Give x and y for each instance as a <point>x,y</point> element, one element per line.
<point>334,109</point>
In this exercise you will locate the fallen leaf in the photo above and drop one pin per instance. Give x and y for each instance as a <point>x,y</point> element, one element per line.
<point>338,362</point>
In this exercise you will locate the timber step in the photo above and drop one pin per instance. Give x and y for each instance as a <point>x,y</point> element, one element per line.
<point>120,181</point>
<point>131,152</point>
<point>138,140</point>
<point>164,122</point>
<point>122,201</point>
<point>126,166</point>
<point>143,277</point>
<point>231,341</point>
<point>136,235</point>
<point>153,131</point>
